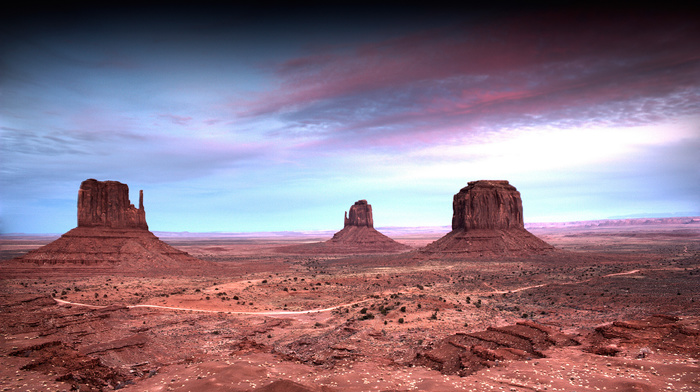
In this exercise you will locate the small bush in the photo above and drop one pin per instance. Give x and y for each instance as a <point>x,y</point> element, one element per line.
<point>401,320</point>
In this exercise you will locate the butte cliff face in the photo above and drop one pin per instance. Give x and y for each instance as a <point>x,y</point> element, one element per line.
<point>106,204</point>
<point>360,215</point>
<point>111,232</point>
<point>488,219</point>
<point>487,205</point>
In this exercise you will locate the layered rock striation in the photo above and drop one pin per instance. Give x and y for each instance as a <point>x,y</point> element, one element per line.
<point>357,236</point>
<point>360,215</point>
<point>106,204</point>
<point>111,232</point>
<point>487,205</point>
<point>488,219</point>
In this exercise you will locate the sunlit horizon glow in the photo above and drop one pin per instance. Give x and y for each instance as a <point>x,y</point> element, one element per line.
<point>244,120</point>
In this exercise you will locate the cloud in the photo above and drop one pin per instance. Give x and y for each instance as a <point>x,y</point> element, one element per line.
<point>175,119</point>
<point>34,159</point>
<point>561,70</point>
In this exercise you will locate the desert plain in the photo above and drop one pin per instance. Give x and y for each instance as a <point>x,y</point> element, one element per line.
<point>615,307</point>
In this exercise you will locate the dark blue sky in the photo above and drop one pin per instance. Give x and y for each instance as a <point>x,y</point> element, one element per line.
<point>263,119</point>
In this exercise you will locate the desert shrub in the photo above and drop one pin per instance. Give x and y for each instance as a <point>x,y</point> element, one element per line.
<point>403,309</point>
<point>401,320</point>
<point>363,311</point>
<point>434,315</point>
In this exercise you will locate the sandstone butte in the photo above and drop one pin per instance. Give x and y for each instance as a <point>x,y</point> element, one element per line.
<point>111,232</point>
<point>488,220</point>
<point>357,236</point>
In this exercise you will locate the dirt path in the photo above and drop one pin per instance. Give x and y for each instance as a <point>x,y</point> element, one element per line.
<point>300,312</point>
<point>621,273</point>
<point>268,313</point>
<point>496,291</point>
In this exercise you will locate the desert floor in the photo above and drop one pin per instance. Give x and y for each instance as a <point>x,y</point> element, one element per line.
<point>617,309</point>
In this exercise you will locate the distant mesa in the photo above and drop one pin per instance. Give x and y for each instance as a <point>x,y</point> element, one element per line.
<point>357,236</point>
<point>488,219</point>
<point>111,232</point>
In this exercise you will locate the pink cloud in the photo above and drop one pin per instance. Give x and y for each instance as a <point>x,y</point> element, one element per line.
<point>519,58</point>
<point>175,119</point>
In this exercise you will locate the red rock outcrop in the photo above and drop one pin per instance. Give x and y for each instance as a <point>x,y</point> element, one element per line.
<point>639,338</point>
<point>487,205</point>
<point>357,236</point>
<point>488,219</point>
<point>360,215</point>
<point>106,204</point>
<point>111,232</point>
<point>466,353</point>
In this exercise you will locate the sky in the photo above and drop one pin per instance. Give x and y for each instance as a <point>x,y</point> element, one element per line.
<point>259,119</point>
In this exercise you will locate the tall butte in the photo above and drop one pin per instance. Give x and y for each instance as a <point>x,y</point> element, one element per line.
<point>111,232</point>
<point>357,236</point>
<point>488,219</point>
<point>106,204</point>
